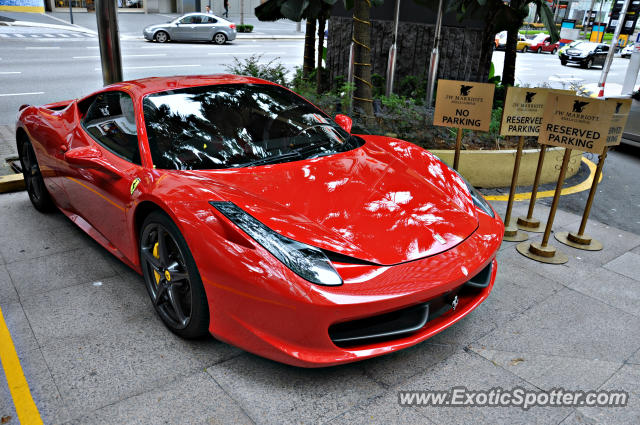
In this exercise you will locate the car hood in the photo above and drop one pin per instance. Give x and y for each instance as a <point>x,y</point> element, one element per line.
<point>368,203</point>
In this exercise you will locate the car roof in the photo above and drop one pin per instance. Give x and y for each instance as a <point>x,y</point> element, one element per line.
<point>144,86</point>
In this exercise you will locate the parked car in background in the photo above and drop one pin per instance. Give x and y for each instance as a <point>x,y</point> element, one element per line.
<point>568,46</point>
<point>501,42</point>
<point>626,52</point>
<point>542,43</point>
<point>585,54</point>
<point>192,27</point>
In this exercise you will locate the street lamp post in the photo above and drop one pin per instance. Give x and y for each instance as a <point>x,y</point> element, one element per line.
<point>612,49</point>
<point>435,57</point>
<point>109,41</point>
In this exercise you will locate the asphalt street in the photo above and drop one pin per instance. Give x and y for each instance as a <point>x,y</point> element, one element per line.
<point>38,69</point>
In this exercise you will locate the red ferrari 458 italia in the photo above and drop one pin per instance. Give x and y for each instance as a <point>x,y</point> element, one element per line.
<point>256,217</point>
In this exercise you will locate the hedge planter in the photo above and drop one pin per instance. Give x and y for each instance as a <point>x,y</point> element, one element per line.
<point>494,168</point>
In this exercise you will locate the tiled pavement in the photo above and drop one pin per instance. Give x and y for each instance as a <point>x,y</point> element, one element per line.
<point>93,351</point>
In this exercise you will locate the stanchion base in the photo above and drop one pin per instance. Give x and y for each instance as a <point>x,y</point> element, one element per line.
<point>512,234</point>
<point>530,225</point>
<point>579,242</point>
<point>536,252</point>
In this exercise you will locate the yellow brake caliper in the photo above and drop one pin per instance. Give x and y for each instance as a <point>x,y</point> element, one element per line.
<point>155,272</point>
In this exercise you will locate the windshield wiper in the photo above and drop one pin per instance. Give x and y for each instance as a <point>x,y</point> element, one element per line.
<point>271,159</point>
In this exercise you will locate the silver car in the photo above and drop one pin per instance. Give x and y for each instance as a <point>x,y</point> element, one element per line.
<point>192,27</point>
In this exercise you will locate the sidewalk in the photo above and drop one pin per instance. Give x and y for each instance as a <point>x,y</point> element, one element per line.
<point>131,24</point>
<point>93,351</point>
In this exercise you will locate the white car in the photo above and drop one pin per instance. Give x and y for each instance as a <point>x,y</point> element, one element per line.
<point>626,52</point>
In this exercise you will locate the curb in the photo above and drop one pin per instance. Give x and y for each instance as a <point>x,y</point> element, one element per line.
<point>52,26</point>
<point>11,183</point>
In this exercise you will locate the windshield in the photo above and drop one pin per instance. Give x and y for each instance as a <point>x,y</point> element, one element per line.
<point>540,38</point>
<point>237,125</point>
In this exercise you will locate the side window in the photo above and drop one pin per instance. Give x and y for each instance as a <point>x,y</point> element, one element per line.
<point>111,121</point>
<point>193,19</point>
<point>605,48</point>
<point>208,20</point>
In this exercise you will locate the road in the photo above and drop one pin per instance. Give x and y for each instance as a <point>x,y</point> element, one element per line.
<point>542,69</point>
<point>38,69</point>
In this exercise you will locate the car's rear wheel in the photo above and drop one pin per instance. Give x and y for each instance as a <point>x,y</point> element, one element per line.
<point>554,51</point>
<point>539,50</point>
<point>161,37</point>
<point>172,278</point>
<point>589,64</point>
<point>219,38</point>
<point>524,49</point>
<point>33,180</point>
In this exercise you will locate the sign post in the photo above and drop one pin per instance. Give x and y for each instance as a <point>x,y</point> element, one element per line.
<point>523,110</point>
<point>571,122</point>
<point>463,105</point>
<point>580,240</point>
<point>530,223</point>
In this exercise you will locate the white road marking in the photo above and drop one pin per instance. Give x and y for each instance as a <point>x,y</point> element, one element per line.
<point>35,36</point>
<point>41,47</point>
<point>63,35</point>
<point>247,53</point>
<point>153,67</point>
<point>9,72</point>
<point>48,35</point>
<point>20,94</point>
<point>4,35</point>
<point>18,35</point>
<point>124,56</point>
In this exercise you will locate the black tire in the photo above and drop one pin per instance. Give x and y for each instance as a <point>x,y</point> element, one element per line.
<point>563,63</point>
<point>219,38</point>
<point>38,193</point>
<point>554,51</point>
<point>539,50</point>
<point>161,37</point>
<point>524,49</point>
<point>172,278</point>
<point>589,64</point>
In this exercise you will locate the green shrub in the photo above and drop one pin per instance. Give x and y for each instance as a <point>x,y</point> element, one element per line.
<point>272,71</point>
<point>244,28</point>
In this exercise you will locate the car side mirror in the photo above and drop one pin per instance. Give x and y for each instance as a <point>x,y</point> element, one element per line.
<point>91,158</point>
<point>345,122</point>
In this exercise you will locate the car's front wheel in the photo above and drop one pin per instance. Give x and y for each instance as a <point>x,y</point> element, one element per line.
<point>554,51</point>
<point>588,64</point>
<point>172,278</point>
<point>539,50</point>
<point>563,63</point>
<point>219,38</point>
<point>524,49</point>
<point>33,180</point>
<point>161,37</point>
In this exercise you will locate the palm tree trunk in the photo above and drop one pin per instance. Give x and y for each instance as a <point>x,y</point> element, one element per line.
<point>362,101</point>
<point>509,66</point>
<point>321,24</point>
<point>309,48</point>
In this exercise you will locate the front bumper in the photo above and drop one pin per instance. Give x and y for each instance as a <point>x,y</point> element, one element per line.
<point>275,314</point>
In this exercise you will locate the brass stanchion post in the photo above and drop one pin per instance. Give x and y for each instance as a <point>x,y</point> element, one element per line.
<point>542,251</point>
<point>511,233</point>
<point>456,155</point>
<point>580,240</point>
<point>529,223</point>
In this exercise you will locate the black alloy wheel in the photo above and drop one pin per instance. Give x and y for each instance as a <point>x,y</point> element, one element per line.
<point>171,277</point>
<point>33,180</point>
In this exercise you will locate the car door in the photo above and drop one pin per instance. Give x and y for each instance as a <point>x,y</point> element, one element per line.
<point>186,28</point>
<point>104,160</point>
<point>601,54</point>
<point>207,28</point>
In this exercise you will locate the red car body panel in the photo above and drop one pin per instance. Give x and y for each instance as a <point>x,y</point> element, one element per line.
<point>545,45</point>
<point>383,203</point>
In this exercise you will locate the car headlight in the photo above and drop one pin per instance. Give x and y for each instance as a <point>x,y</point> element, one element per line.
<point>307,261</point>
<point>478,199</point>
